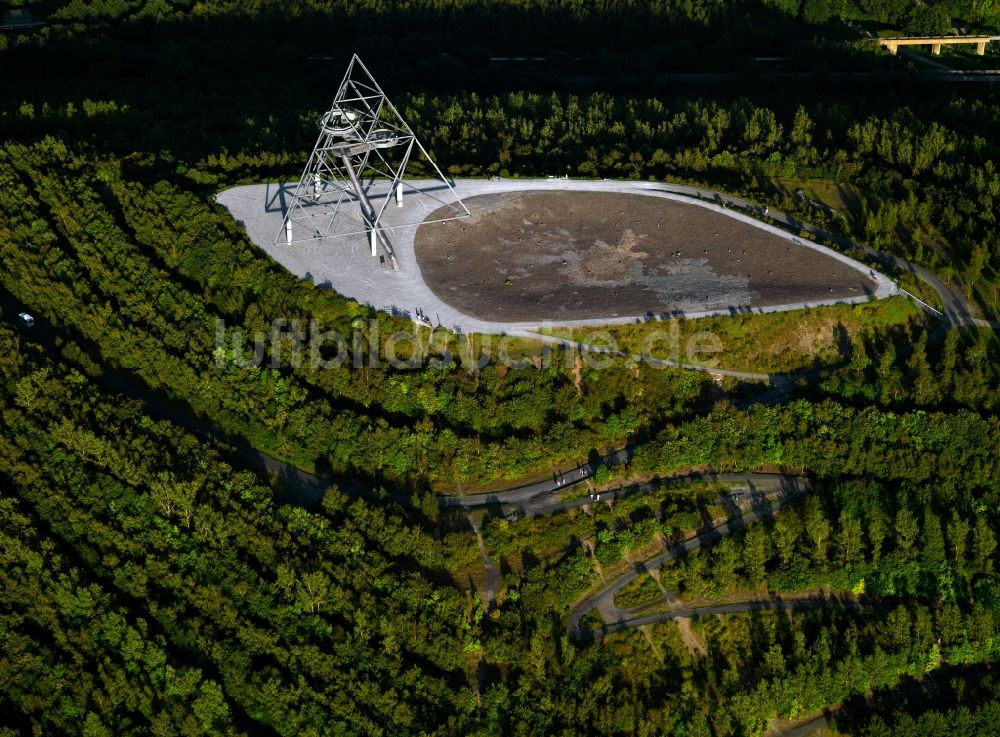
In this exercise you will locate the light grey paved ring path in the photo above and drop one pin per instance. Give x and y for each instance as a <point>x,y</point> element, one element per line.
<point>345,263</point>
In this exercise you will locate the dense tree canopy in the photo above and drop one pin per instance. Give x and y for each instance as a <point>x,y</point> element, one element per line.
<point>156,582</point>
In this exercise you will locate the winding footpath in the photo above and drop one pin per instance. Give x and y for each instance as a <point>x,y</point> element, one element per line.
<point>540,497</point>
<point>769,493</point>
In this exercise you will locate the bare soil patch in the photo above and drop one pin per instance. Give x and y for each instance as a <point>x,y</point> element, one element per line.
<point>584,255</point>
<point>691,640</point>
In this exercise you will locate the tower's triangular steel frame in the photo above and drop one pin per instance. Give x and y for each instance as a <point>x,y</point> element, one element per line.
<point>362,152</point>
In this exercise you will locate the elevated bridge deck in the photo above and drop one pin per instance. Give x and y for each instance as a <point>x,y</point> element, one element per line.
<point>936,42</point>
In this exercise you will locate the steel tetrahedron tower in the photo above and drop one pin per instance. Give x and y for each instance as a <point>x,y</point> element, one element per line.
<point>357,168</point>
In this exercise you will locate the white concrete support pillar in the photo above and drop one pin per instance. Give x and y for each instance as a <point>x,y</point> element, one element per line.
<point>936,49</point>
<point>981,48</point>
<point>316,185</point>
<point>374,241</point>
<point>288,231</point>
<point>399,194</point>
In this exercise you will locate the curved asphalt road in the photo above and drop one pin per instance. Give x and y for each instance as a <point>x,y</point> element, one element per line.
<point>540,497</point>
<point>790,488</point>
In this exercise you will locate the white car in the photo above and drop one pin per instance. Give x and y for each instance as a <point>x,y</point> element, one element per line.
<point>27,320</point>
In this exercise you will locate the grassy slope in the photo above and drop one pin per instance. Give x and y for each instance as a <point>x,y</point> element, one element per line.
<point>773,342</point>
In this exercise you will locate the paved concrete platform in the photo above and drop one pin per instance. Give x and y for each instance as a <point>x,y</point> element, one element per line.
<point>344,263</point>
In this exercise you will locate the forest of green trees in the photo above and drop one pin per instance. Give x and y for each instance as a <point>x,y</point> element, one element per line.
<point>152,534</point>
<point>959,701</point>
<point>151,588</point>
<point>154,583</point>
